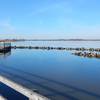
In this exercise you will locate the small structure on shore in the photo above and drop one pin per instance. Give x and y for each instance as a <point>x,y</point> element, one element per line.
<point>5,47</point>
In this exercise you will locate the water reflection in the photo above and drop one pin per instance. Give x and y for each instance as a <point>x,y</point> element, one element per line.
<point>83,52</point>
<point>49,85</point>
<point>51,74</point>
<point>5,54</point>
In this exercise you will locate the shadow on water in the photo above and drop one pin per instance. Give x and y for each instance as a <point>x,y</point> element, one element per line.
<point>51,81</point>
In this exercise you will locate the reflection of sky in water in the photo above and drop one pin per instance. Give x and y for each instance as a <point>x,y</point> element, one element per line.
<point>93,44</point>
<point>45,69</point>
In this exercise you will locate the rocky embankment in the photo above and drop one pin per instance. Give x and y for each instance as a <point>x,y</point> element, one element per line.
<point>56,48</point>
<point>83,52</point>
<point>87,54</point>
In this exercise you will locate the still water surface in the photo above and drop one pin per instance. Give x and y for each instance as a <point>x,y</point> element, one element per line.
<point>59,75</point>
<point>94,44</point>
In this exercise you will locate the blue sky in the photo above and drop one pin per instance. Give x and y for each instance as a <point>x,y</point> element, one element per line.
<point>49,18</point>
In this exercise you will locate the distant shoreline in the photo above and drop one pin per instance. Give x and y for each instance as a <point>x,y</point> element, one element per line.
<point>15,40</point>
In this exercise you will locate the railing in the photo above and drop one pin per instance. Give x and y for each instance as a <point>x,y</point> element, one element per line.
<point>23,90</point>
<point>2,98</point>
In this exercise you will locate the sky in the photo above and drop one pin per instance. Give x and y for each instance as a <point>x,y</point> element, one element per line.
<point>38,19</point>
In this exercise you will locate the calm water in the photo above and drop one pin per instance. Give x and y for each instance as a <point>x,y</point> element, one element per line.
<point>58,75</point>
<point>95,44</point>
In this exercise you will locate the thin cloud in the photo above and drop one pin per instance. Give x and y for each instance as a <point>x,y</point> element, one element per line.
<point>6,27</point>
<point>52,7</point>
